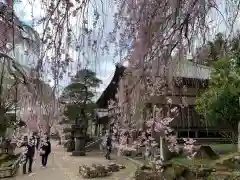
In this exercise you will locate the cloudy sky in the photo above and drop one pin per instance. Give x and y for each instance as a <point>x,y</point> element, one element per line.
<point>104,66</point>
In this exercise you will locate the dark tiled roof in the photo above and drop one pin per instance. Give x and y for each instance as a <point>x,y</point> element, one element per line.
<point>111,90</point>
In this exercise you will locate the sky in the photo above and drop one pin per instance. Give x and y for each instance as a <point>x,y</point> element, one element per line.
<point>105,65</point>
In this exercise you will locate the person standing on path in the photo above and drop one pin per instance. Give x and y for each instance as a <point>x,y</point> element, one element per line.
<point>108,146</point>
<point>28,155</point>
<point>45,150</point>
<point>37,137</point>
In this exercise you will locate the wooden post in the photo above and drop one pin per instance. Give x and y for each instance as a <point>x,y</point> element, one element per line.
<point>238,136</point>
<point>161,148</point>
<point>196,134</point>
<point>239,130</point>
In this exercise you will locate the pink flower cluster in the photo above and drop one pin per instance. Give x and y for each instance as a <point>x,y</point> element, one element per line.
<point>189,147</point>
<point>150,123</point>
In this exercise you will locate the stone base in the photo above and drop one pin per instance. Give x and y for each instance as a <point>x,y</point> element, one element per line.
<point>78,153</point>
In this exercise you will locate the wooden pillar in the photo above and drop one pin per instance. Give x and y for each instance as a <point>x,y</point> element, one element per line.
<point>177,134</point>
<point>95,130</point>
<point>196,134</point>
<point>239,136</point>
<point>99,129</point>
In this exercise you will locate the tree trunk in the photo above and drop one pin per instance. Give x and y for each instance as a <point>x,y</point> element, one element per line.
<point>161,149</point>
<point>164,151</point>
<point>2,119</point>
<point>238,136</point>
<point>48,130</point>
<point>96,130</point>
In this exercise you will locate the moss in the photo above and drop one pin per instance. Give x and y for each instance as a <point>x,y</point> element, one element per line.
<point>6,160</point>
<point>191,169</point>
<point>170,173</point>
<point>220,169</point>
<point>224,176</point>
<point>200,168</point>
<point>206,152</point>
<point>147,175</point>
<point>224,148</point>
<point>3,156</point>
<point>178,169</point>
<point>193,163</point>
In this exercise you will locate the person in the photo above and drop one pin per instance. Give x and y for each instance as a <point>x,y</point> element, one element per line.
<point>29,154</point>
<point>37,141</point>
<point>102,143</point>
<point>6,145</point>
<point>45,150</point>
<point>108,146</point>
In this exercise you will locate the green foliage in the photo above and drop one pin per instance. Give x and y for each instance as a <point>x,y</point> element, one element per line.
<point>3,126</point>
<point>220,48</point>
<point>71,111</point>
<point>8,89</point>
<point>220,103</point>
<point>7,121</point>
<point>7,160</point>
<point>79,95</point>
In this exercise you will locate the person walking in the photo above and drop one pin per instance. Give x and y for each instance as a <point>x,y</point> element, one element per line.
<point>37,138</point>
<point>45,150</point>
<point>28,154</point>
<point>108,146</point>
<point>102,144</point>
<point>7,145</point>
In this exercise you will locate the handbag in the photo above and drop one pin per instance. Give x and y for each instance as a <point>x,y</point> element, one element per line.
<point>42,152</point>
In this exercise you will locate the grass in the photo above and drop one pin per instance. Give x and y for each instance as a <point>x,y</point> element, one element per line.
<point>221,170</point>
<point>224,148</point>
<point>193,162</point>
<point>225,151</point>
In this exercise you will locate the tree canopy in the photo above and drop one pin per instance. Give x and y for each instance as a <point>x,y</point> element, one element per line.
<point>79,94</point>
<point>220,47</point>
<point>220,103</point>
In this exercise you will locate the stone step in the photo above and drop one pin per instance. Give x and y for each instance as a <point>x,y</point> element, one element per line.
<point>94,144</point>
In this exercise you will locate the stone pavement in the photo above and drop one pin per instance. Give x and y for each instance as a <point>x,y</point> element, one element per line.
<point>51,172</point>
<point>63,166</point>
<point>70,165</point>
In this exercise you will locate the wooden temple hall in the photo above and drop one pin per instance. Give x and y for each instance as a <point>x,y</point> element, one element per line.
<point>190,80</point>
<point>102,114</point>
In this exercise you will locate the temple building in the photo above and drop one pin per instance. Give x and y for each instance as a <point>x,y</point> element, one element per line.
<point>189,80</point>
<point>102,120</point>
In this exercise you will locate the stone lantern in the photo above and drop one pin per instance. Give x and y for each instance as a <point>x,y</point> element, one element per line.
<point>79,136</point>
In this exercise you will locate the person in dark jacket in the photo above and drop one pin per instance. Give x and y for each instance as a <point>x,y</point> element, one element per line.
<point>37,142</point>
<point>29,154</point>
<point>45,150</point>
<point>7,143</point>
<point>108,146</point>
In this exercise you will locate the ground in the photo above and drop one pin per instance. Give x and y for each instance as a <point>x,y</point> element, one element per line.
<point>62,166</point>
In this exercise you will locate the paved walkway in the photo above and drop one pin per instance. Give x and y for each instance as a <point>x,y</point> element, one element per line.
<point>52,171</point>
<point>62,166</point>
